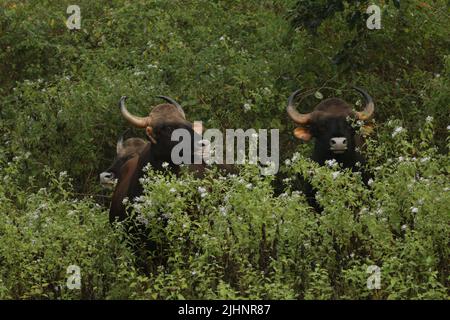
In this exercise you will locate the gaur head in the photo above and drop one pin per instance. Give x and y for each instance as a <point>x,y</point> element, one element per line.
<point>132,147</point>
<point>329,123</point>
<point>159,125</point>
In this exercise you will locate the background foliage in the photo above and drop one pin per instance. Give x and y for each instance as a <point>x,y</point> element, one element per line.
<point>231,64</point>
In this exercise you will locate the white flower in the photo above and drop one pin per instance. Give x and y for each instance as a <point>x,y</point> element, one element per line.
<point>139,199</point>
<point>137,207</point>
<point>125,201</point>
<point>425,159</point>
<point>249,186</point>
<point>140,218</point>
<point>202,191</point>
<point>335,174</point>
<point>397,130</point>
<point>222,38</point>
<point>414,209</point>
<point>400,159</point>
<point>370,182</point>
<point>331,163</point>
<point>166,215</point>
<point>404,227</point>
<point>147,167</point>
<point>223,210</point>
<point>164,164</point>
<point>363,211</point>
<point>287,162</point>
<point>448,127</point>
<point>247,107</point>
<point>429,119</point>
<point>172,190</point>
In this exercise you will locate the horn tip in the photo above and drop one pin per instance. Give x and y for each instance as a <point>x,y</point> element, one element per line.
<point>122,99</point>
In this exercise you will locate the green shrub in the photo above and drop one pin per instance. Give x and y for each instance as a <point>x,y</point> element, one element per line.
<point>231,64</point>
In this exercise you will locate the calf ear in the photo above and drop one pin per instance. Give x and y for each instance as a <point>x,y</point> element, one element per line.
<point>302,134</point>
<point>197,126</point>
<point>150,134</point>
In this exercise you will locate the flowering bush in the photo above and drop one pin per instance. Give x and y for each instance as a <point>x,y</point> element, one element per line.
<point>232,65</point>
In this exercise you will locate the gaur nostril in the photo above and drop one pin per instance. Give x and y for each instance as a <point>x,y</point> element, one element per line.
<point>344,141</point>
<point>332,142</point>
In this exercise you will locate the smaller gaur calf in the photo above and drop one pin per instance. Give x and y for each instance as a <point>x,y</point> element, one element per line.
<point>125,150</point>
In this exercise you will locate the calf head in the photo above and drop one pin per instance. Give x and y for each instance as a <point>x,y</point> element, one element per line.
<point>124,151</point>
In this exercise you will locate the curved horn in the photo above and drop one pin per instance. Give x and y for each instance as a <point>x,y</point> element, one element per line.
<point>134,120</point>
<point>119,146</point>
<point>298,117</point>
<point>369,107</point>
<point>176,104</point>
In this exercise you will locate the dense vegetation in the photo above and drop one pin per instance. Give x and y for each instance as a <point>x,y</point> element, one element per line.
<point>231,64</point>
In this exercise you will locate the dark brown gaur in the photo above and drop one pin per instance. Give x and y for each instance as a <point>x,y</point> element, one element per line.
<point>329,108</point>
<point>159,125</point>
<point>330,123</point>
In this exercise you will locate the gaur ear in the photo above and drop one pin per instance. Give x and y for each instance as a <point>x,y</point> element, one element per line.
<point>302,134</point>
<point>367,129</point>
<point>197,126</point>
<point>150,135</point>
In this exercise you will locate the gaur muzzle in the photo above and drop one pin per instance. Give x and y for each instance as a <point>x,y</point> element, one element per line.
<point>108,180</point>
<point>338,145</point>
